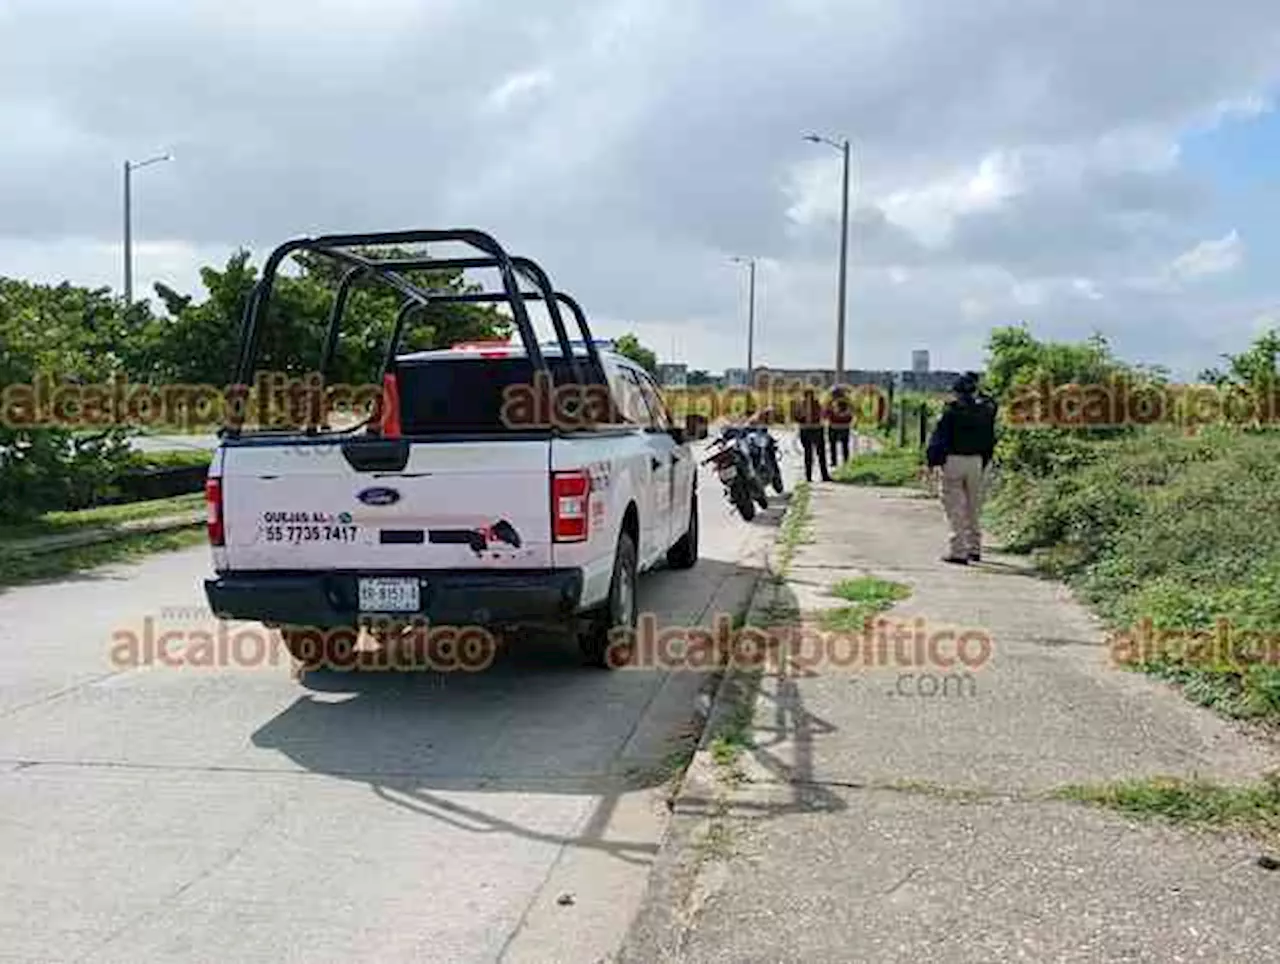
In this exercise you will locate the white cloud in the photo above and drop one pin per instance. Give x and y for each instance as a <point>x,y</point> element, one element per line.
<point>516,88</point>
<point>930,211</point>
<point>1011,159</point>
<point>1086,288</point>
<point>1208,258</point>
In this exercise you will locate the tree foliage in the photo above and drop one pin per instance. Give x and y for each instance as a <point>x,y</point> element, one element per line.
<point>198,342</point>
<point>629,346</point>
<point>63,334</point>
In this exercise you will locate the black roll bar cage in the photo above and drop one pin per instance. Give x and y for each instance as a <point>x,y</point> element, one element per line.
<point>387,271</point>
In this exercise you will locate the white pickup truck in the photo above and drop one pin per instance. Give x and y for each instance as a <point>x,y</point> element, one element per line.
<point>462,503</point>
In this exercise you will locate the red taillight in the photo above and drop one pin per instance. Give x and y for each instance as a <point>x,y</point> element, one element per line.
<point>570,493</point>
<point>389,422</point>
<point>213,503</point>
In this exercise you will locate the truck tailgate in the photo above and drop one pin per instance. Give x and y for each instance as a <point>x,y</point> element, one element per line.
<point>304,505</point>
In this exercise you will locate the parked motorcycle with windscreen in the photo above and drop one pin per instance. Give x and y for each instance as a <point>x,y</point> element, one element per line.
<point>732,457</point>
<point>764,456</point>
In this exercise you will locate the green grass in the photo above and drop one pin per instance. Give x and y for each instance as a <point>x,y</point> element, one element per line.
<point>735,733</point>
<point>1250,807</point>
<point>794,525</point>
<point>16,570</point>
<point>890,466</point>
<point>58,523</point>
<point>18,567</point>
<point>869,595</point>
<point>1163,527</point>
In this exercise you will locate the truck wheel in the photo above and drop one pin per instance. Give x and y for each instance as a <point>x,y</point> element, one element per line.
<point>606,643</point>
<point>684,554</point>
<point>318,648</point>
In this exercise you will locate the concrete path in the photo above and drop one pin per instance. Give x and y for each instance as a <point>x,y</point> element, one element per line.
<point>231,813</point>
<point>896,814</point>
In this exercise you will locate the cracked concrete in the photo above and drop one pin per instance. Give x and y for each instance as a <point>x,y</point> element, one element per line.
<point>882,822</point>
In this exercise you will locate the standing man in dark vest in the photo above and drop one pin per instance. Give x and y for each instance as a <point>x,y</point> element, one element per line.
<point>839,421</point>
<point>807,413</point>
<point>962,446</point>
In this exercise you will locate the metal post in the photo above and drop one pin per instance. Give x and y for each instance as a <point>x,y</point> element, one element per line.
<point>751,326</point>
<point>844,267</point>
<point>128,240</point>
<point>129,168</point>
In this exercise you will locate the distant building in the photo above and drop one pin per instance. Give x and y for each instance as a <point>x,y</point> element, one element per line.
<point>673,374</point>
<point>920,361</point>
<point>885,379</point>
<point>735,377</point>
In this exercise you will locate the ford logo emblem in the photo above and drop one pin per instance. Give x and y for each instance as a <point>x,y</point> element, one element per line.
<point>379,496</point>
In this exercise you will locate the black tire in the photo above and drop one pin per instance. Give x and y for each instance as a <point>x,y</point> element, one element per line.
<point>742,500</point>
<point>317,648</point>
<point>761,494</point>
<point>684,554</point>
<point>600,644</point>
<point>777,475</point>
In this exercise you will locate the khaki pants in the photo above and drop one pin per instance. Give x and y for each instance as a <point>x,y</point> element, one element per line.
<point>962,482</point>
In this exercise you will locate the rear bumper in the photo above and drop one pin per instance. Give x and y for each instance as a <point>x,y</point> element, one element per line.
<point>330,599</point>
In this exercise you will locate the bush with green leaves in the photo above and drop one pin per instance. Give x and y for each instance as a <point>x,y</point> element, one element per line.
<point>1166,528</point>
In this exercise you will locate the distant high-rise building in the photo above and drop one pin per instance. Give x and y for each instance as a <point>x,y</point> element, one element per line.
<point>920,361</point>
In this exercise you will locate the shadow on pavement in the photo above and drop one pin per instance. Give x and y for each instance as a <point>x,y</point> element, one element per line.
<point>785,731</point>
<point>536,721</point>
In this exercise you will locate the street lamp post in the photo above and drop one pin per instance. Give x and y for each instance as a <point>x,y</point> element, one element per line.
<point>843,147</point>
<point>751,316</point>
<point>129,168</point>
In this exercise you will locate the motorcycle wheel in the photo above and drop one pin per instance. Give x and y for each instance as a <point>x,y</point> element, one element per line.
<point>742,501</point>
<point>762,496</point>
<point>777,478</point>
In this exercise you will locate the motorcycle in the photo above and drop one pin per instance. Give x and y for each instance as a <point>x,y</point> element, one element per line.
<point>735,467</point>
<point>764,453</point>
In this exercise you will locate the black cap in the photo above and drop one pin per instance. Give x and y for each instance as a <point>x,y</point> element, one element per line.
<point>965,385</point>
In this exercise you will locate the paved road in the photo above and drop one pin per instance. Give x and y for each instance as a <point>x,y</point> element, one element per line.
<point>171,443</point>
<point>232,813</point>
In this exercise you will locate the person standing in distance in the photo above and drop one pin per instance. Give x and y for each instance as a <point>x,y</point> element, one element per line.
<point>839,420</point>
<point>807,413</point>
<point>962,446</point>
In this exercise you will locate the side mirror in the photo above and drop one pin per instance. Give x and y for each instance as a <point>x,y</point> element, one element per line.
<point>695,426</point>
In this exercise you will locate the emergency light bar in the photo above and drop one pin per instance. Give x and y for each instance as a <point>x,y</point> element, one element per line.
<point>602,344</point>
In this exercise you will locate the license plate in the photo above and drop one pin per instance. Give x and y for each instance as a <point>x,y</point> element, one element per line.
<point>729,473</point>
<point>378,595</point>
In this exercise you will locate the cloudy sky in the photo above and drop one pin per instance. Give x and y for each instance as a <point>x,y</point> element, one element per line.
<point>1093,164</point>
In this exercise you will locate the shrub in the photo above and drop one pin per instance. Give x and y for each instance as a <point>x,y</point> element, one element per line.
<point>1168,528</point>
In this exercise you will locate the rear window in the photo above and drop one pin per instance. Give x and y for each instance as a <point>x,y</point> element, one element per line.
<point>479,395</point>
